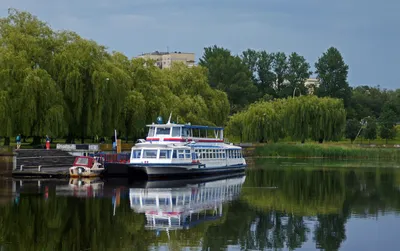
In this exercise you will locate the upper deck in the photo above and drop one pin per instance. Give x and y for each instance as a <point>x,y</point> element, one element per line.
<point>172,132</point>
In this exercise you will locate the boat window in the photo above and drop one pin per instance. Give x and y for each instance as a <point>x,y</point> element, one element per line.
<point>174,154</point>
<point>176,131</point>
<point>187,154</point>
<point>223,154</point>
<point>165,154</point>
<point>136,154</point>
<point>151,132</point>
<point>185,132</point>
<point>163,131</point>
<point>150,154</point>
<point>82,161</point>
<point>135,200</point>
<point>149,201</point>
<point>163,201</point>
<point>181,154</point>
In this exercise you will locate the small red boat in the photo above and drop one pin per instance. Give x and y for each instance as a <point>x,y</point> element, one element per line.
<point>85,166</point>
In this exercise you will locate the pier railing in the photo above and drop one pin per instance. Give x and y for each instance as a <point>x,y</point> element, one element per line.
<point>114,157</point>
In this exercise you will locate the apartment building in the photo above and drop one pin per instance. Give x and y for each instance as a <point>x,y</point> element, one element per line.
<point>164,60</point>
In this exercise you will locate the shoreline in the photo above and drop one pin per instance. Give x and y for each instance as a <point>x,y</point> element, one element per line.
<point>322,151</point>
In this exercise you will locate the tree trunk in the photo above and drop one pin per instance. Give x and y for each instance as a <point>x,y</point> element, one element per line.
<point>70,139</point>
<point>36,140</point>
<point>82,140</point>
<point>6,141</point>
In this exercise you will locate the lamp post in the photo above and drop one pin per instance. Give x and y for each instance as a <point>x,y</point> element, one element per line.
<point>294,91</point>
<point>363,123</point>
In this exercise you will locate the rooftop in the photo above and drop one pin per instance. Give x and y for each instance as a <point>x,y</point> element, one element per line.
<point>165,53</point>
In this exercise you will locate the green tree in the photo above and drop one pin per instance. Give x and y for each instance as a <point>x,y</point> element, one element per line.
<point>34,103</point>
<point>388,121</point>
<point>370,131</point>
<point>280,66</point>
<point>352,128</point>
<point>228,73</point>
<point>297,73</point>
<point>367,101</point>
<point>332,73</point>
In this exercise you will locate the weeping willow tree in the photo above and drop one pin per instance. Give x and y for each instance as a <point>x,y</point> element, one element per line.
<point>236,125</point>
<point>31,101</point>
<point>210,106</point>
<point>300,118</point>
<point>92,85</point>
<point>42,108</point>
<point>57,83</point>
<point>312,117</point>
<point>262,122</point>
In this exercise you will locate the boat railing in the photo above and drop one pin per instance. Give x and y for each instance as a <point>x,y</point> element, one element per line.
<point>114,157</point>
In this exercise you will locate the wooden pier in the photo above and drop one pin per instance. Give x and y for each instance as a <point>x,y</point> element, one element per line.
<point>42,163</point>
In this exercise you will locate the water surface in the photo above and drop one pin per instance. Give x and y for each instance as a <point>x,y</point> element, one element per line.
<point>278,205</point>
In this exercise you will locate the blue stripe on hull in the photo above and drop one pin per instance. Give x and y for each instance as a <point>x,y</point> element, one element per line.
<point>166,170</point>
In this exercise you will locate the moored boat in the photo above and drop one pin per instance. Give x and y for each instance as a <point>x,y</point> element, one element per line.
<point>175,150</point>
<point>85,166</point>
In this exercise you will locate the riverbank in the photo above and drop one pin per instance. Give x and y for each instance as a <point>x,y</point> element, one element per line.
<point>327,150</point>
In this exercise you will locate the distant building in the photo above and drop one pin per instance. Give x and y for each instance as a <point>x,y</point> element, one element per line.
<point>165,59</point>
<point>311,84</point>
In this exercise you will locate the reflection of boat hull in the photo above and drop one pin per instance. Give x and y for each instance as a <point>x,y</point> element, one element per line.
<point>166,171</point>
<point>168,183</point>
<point>78,171</point>
<point>185,206</point>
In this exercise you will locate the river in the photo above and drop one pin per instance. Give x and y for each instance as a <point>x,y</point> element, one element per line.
<point>278,205</point>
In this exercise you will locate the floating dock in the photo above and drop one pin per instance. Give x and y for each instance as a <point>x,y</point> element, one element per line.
<point>41,162</point>
<point>54,163</point>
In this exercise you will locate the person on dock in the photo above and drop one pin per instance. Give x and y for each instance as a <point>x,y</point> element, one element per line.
<point>47,142</point>
<point>18,139</point>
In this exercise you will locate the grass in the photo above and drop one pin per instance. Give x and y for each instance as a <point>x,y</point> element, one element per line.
<point>327,150</point>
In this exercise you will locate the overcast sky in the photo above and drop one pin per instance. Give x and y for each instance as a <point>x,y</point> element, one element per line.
<point>365,32</point>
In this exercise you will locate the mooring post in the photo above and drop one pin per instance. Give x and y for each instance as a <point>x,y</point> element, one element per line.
<point>15,162</point>
<point>21,167</point>
<point>39,167</point>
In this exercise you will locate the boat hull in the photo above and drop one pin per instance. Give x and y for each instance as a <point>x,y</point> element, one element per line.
<point>85,173</point>
<point>166,171</point>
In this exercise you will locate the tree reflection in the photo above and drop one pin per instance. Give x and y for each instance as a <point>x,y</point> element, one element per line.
<point>278,208</point>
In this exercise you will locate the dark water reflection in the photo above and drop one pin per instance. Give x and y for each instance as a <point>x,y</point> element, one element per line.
<point>277,205</point>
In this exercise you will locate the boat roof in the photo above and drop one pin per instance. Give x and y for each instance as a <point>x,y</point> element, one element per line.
<point>187,126</point>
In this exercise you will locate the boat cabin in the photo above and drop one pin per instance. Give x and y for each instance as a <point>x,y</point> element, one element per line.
<point>184,133</point>
<point>84,161</point>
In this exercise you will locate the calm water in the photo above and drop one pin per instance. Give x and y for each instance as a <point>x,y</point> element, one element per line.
<point>278,205</point>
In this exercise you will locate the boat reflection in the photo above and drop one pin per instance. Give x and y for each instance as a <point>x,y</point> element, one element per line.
<point>81,187</point>
<point>184,207</point>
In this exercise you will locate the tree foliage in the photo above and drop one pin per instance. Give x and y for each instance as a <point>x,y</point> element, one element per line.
<point>228,73</point>
<point>301,118</point>
<point>332,75</point>
<point>353,126</point>
<point>58,83</point>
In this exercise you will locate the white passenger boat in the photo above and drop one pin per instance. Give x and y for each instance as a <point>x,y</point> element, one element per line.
<point>181,150</point>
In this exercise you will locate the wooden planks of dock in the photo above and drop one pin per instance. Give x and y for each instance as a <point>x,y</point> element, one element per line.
<point>42,162</point>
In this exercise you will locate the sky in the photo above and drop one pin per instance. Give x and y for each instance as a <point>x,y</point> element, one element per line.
<point>365,32</point>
